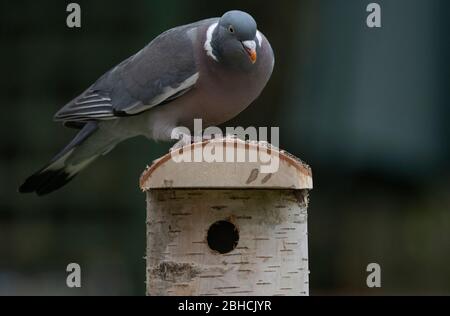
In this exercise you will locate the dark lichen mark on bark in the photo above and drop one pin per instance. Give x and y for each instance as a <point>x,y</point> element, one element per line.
<point>266,178</point>
<point>253,176</point>
<point>175,272</point>
<point>218,207</point>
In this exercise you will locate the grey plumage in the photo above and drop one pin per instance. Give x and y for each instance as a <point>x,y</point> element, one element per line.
<point>136,84</point>
<point>206,70</point>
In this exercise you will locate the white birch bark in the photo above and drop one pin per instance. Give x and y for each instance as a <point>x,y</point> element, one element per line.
<point>269,211</point>
<point>271,257</point>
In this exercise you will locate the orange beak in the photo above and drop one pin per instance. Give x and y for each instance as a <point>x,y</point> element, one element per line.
<point>250,48</point>
<point>252,55</point>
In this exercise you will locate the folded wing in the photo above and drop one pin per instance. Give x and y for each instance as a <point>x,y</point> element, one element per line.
<point>161,72</point>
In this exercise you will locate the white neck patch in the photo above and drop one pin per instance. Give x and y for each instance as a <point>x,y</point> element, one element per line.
<point>259,38</point>
<point>208,47</point>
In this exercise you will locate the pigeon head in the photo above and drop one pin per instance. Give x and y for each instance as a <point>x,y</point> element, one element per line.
<point>234,39</point>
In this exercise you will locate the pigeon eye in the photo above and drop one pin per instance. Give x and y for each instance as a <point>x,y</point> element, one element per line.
<point>231,29</point>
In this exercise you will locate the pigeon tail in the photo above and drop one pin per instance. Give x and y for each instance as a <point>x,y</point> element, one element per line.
<point>59,172</point>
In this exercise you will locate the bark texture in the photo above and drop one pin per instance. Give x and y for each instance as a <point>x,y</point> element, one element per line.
<point>271,256</point>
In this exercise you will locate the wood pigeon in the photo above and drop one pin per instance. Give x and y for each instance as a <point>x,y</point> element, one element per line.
<point>210,70</point>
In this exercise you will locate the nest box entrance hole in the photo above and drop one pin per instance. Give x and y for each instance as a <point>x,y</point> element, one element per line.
<point>222,236</point>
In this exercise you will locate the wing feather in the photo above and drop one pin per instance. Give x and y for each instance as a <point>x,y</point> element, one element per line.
<point>161,72</point>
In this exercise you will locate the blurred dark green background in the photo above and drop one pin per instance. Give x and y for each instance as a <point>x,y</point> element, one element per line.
<point>368,109</point>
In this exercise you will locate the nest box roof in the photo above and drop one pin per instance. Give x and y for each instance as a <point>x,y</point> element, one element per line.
<point>236,164</point>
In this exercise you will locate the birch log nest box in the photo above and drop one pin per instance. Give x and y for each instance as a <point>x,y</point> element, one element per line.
<point>225,227</point>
